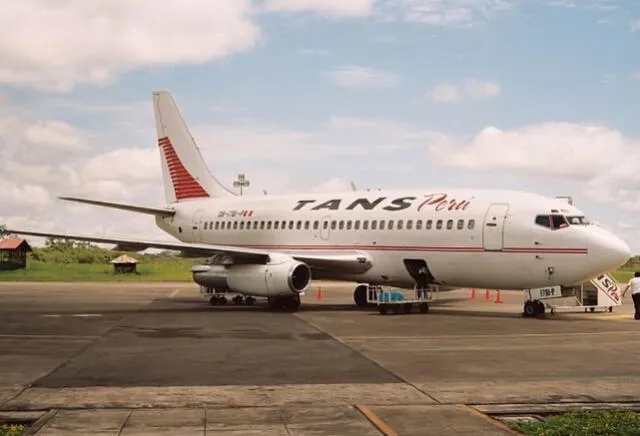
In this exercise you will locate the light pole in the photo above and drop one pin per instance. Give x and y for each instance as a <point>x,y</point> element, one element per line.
<point>240,182</point>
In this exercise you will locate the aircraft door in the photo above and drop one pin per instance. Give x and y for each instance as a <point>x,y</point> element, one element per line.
<point>493,229</point>
<point>325,228</point>
<point>198,225</point>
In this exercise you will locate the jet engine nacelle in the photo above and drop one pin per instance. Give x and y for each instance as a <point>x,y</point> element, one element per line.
<point>282,276</point>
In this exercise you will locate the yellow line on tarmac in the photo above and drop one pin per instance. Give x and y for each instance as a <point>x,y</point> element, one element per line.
<point>174,293</point>
<point>377,422</point>
<point>488,419</point>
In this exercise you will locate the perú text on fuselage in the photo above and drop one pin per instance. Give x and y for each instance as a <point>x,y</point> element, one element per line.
<point>439,201</point>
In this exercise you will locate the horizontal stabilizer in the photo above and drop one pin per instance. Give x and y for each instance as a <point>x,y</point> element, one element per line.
<point>157,211</point>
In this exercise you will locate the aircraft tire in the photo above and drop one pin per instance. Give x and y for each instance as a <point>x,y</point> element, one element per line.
<point>530,309</point>
<point>360,296</point>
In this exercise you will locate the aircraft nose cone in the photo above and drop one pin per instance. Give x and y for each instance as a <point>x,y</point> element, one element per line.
<point>608,252</point>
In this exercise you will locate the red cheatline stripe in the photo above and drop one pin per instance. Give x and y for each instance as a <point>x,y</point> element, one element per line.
<point>184,185</point>
<point>451,249</point>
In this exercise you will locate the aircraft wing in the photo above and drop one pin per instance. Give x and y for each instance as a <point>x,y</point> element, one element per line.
<point>349,261</point>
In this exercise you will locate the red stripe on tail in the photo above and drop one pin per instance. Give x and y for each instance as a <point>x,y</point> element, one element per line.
<point>184,185</point>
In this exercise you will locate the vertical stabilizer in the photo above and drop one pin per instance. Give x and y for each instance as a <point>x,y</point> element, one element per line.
<point>184,172</point>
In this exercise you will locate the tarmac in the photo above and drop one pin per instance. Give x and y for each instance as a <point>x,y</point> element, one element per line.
<point>153,359</point>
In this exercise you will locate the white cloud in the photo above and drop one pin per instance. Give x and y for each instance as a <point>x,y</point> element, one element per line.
<point>352,76</point>
<point>634,26</point>
<point>445,93</point>
<point>444,12</point>
<point>471,88</point>
<point>343,8</point>
<point>603,160</point>
<point>478,90</point>
<point>56,45</point>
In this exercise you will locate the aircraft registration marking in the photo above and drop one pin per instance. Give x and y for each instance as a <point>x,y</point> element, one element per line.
<point>235,213</point>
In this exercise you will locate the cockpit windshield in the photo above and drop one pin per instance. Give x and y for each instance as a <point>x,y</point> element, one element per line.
<point>558,221</point>
<point>578,220</point>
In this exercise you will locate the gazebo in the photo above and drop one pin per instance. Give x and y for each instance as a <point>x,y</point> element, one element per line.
<point>124,264</point>
<point>13,253</point>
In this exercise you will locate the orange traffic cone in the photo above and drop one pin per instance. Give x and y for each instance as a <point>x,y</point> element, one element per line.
<point>487,295</point>
<point>319,294</point>
<point>498,298</point>
<point>473,294</point>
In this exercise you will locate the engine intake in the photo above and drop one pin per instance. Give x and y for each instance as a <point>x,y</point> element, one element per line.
<point>281,278</point>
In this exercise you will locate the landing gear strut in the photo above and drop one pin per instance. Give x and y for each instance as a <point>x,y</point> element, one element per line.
<point>291,304</point>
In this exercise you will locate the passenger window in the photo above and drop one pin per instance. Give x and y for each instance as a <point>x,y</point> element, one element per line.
<point>261,225</point>
<point>449,224</point>
<point>559,221</point>
<point>299,225</point>
<point>268,225</point>
<point>374,224</point>
<point>543,220</point>
<point>409,224</point>
<point>460,224</point>
<point>390,226</point>
<point>340,225</point>
<point>382,224</point>
<point>471,224</point>
<point>419,225</point>
<point>429,224</point>
<point>365,225</point>
<point>333,225</point>
<point>290,225</point>
<point>325,225</point>
<point>306,225</point>
<point>276,224</point>
<point>356,225</point>
<point>400,224</point>
<point>315,225</point>
<point>235,225</point>
<point>242,225</point>
<point>439,224</point>
<point>349,225</point>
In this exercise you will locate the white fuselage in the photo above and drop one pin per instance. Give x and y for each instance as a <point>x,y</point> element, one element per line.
<point>468,238</point>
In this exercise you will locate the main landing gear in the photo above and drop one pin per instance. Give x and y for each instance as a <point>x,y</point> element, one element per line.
<point>290,304</point>
<point>220,299</point>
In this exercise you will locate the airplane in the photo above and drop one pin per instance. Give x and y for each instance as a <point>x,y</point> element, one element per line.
<point>273,246</point>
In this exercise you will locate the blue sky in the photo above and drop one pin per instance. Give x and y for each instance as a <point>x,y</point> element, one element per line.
<point>308,95</point>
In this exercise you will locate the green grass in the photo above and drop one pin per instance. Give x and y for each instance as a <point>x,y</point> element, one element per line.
<point>150,269</point>
<point>622,275</point>
<point>584,423</point>
<point>167,270</point>
<point>12,430</point>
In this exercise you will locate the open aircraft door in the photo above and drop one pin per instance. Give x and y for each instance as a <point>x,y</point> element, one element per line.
<point>493,229</point>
